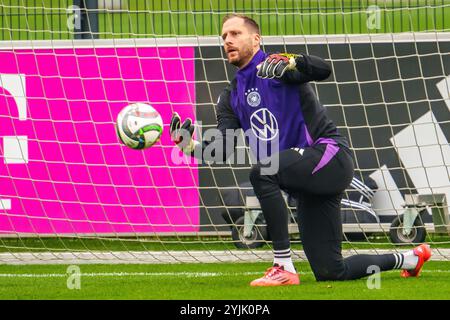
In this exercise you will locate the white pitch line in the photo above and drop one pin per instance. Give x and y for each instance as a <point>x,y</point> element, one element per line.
<point>158,274</point>
<point>128,274</point>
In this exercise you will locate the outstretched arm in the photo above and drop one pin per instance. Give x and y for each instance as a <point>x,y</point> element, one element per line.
<point>293,68</point>
<point>224,142</point>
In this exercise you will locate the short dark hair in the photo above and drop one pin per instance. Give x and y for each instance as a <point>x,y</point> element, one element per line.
<point>247,20</point>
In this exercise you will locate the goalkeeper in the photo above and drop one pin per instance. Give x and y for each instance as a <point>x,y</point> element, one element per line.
<point>270,99</point>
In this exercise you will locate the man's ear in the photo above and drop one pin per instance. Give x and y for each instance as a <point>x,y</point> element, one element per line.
<point>256,39</point>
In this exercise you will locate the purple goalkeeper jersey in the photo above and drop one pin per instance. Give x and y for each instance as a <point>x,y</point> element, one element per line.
<point>278,114</point>
<point>269,111</point>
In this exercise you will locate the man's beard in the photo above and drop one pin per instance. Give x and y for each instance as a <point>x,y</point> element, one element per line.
<point>243,58</point>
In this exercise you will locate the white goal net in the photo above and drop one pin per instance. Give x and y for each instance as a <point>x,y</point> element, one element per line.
<point>71,192</point>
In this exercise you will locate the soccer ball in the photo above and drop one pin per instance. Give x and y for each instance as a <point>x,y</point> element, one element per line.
<point>139,126</point>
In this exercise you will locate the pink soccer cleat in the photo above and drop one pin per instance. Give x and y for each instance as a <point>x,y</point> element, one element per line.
<point>423,252</point>
<point>276,276</point>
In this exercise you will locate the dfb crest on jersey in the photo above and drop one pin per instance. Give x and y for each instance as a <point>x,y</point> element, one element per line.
<point>264,124</point>
<point>253,97</point>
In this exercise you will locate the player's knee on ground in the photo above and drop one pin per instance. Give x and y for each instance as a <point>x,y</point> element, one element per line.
<point>327,266</point>
<point>332,271</point>
<point>263,184</point>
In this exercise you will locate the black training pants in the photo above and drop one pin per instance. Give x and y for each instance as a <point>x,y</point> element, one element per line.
<point>319,196</point>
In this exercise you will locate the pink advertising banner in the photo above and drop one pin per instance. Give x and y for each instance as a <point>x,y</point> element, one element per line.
<point>63,169</point>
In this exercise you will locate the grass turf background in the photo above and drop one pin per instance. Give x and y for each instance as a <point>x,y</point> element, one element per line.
<point>47,19</point>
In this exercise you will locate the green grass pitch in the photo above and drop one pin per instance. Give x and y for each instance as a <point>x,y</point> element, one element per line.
<point>209,282</point>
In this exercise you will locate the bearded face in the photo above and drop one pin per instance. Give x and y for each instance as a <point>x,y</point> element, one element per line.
<point>240,44</point>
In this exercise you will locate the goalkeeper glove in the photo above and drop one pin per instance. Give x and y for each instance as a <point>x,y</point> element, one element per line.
<point>276,65</point>
<point>181,134</point>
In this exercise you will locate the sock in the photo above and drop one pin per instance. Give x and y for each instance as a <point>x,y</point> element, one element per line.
<point>407,260</point>
<point>283,258</point>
